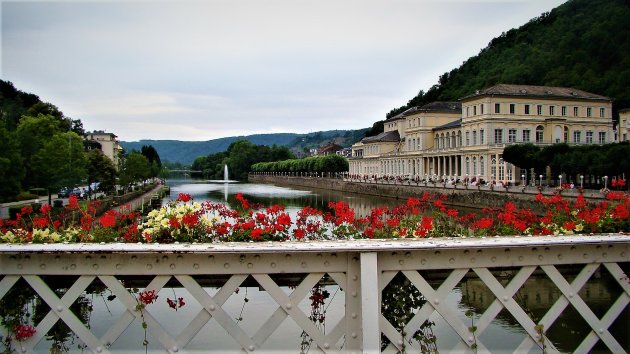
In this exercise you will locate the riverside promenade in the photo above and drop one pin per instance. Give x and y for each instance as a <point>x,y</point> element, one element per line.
<point>492,196</point>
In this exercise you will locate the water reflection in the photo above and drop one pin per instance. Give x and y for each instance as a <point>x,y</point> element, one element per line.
<point>293,199</point>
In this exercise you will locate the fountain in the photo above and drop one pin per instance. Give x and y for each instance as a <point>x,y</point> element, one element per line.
<point>225,174</point>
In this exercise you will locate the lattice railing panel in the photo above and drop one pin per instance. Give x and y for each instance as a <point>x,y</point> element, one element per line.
<point>208,276</point>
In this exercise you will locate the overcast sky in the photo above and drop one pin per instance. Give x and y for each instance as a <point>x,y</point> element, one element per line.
<point>199,70</point>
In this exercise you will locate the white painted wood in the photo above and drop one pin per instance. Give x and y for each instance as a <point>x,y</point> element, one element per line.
<point>370,301</point>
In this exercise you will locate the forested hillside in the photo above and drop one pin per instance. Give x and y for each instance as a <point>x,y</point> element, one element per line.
<point>187,151</point>
<point>582,44</point>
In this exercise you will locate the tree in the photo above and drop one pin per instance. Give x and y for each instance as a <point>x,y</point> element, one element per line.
<point>61,162</point>
<point>102,170</point>
<point>153,157</point>
<point>33,133</point>
<point>135,168</point>
<point>11,168</point>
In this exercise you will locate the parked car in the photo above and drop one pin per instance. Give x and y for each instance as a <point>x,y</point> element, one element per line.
<point>64,192</point>
<point>80,193</point>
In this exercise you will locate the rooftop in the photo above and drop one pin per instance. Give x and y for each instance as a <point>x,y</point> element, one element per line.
<point>454,124</point>
<point>535,91</point>
<point>382,137</point>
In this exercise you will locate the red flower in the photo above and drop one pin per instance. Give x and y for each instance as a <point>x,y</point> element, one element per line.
<point>147,297</point>
<point>190,220</point>
<point>26,210</point>
<point>284,219</point>
<point>174,223</point>
<point>184,197</point>
<point>40,223</point>
<point>483,223</point>
<point>256,233</point>
<point>73,202</point>
<point>299,233</point>
<point>620,212</point>
<point>452,213</point>
<point>45,209</point>
<point>108,219</point>
<point>23,332</point>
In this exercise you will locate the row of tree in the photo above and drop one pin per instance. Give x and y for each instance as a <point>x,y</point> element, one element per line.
<point>329,163</point>
<point>593,160</point>
<point>239,157</point>
<point>41,148</point>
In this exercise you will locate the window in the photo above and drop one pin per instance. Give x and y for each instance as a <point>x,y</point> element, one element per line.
<point>467,166</point>
<point>602,137</point>
<point>589,111</point>
<point>526,135</point>
<point>481,108</point>
<point>566,134</point>
<point>512,136</point>
<point>577,136</point>
<point>552,110</point>
<point>459,138</point>
<point>448,140</point>
<point>564,110</point>
<point>512,108</point>
<point>601,112</point>
<point>467,111</point>
<point>474,137</point>
<point>625,137</point>
<point>467,138</point>
<point>575,111</point>
<point>437,141</point>
<point>539,134</point>
<point>481,134</point>
<point>498,136</point>
<point>526,109</point>
<point>539,109</point>
<point>474,166</point>
<point>474,110</point>
<point>453,141</point>
<point>482,170</point>
<point>497,108</point>
<point>589,137</point>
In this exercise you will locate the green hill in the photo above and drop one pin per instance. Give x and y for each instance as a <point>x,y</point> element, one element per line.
<point>582,44</point>
<point>187,151</point>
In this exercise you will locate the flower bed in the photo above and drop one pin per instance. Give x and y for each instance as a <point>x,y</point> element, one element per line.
<point>184,220</point>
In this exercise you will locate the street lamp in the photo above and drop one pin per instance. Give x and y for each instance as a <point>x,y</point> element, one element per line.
<point>605,182</point>
<point>523,180</point>
<point>540,184</point>
<point>581,181</point>
<point>560,180</point>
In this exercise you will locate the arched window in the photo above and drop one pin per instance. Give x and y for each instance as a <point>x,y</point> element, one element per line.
<point>442,143</point>
<point>437,141</point>
<point>467,166</point>
<point>540,133</point>
<point>448,140</point>
<point>474,166</point>
<point>482,170</point>
<point>459,138</point>
<point>566,134</point>
<point>453,141</point>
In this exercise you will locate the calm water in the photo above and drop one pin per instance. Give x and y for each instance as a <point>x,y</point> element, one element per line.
<point>503,335</point>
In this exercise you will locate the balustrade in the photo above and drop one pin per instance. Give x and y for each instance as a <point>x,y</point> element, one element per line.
<point>363,271</point>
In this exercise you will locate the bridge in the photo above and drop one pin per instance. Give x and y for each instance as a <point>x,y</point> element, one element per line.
<point>289,271</point>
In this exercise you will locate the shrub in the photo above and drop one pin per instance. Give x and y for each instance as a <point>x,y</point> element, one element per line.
<point>26,196</point>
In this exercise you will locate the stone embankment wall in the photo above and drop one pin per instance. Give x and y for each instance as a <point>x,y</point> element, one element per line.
<point>460,196</point>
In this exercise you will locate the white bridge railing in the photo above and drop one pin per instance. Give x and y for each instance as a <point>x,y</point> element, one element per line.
<point>362,270</point>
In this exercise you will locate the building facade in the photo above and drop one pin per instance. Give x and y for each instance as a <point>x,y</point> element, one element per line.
<point>624,125</point>
<point>465,139</point>
<point>109,144</point>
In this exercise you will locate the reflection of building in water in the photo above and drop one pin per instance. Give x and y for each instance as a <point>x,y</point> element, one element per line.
<point>537,296</point>
<point>536,293</point>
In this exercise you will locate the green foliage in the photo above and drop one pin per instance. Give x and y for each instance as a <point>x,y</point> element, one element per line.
<point>61,162</point>
<point>329,163</point>
<point>377,128</point>
<point>597,160</point>
<point>185,152</point>
<point>239,158</point>
<point>11,167</point>
<point>101,169</point>
<point>135,168</point>
<point>581,44</point>
<point>153,157</point>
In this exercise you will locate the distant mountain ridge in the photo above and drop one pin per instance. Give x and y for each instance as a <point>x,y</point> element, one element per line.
<point>186,152</point>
